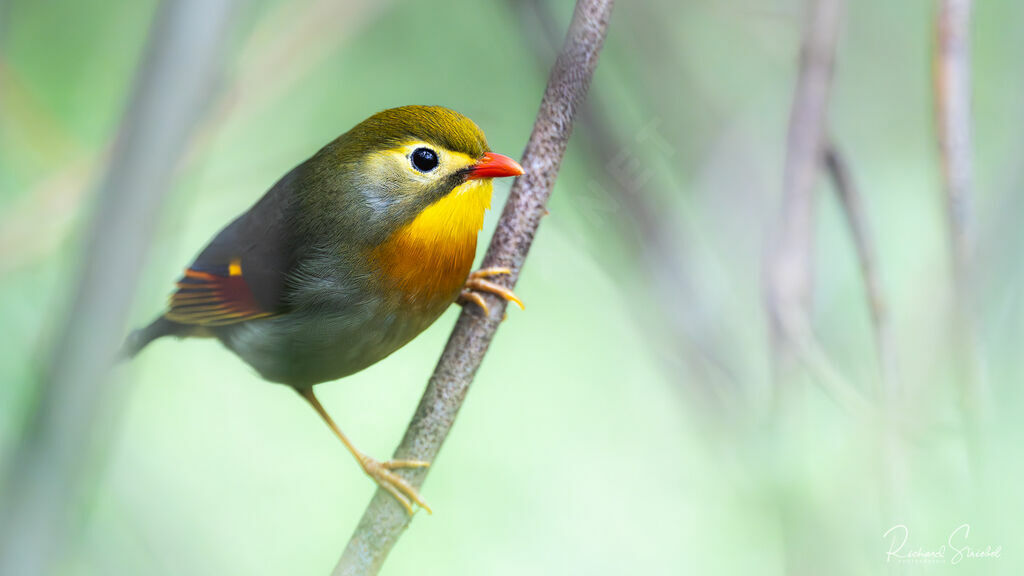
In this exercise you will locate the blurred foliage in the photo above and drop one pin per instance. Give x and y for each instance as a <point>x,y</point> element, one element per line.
<point>578,450</point>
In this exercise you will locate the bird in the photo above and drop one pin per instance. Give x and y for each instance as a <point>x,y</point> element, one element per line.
<point>347,258</point>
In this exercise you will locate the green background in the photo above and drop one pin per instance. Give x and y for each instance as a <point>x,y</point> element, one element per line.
<point>583,447</point>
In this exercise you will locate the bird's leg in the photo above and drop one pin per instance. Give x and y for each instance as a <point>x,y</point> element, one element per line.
<point>381,472</point>
<point>477,282</point>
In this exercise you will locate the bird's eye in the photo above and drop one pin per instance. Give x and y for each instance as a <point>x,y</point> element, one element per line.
<point>424,159</point>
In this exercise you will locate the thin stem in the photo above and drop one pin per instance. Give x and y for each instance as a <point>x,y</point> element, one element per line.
<point>953,110</point>
<point>852,202</point>
<point>789,265</point>
<point>888,393</point>
<point>789,274</point>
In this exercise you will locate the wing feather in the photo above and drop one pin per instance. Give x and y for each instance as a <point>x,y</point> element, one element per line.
<point>210,299</point>
<point>242,274</point>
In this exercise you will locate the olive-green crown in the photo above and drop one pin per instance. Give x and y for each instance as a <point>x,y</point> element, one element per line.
<point>434,124</point>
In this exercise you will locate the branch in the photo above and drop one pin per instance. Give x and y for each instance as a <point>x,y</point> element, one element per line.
<point>384,519</point>
<point>789,263</point>
<point>43,482</point>
<point>953,93</point>
<point>891,450</point>
<point>853,207</point>
<point>953,110</point>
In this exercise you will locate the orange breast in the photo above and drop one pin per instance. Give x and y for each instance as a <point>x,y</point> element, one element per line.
<point>427,261</point>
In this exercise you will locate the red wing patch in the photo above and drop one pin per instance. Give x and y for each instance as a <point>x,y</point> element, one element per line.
<point>208,299</point>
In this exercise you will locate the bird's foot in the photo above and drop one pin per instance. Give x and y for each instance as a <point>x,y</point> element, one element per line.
<point>383,474</point>
<point>477,282</point>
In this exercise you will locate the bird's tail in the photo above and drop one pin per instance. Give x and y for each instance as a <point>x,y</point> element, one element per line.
<point>140,338</point>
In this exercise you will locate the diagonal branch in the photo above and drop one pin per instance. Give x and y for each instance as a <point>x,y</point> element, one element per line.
<point>867,254</point>
<point>891,450</point>
<point>384,519</point>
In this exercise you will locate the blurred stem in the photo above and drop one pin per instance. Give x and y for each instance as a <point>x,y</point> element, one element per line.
<point>385,519</point>
<point>789,274</point>
<point>888,393</point>
<point>852,202</point>
<point>789,265</point>
<point>953,109</point>
<point>953,105</point>
<point>44,481</point>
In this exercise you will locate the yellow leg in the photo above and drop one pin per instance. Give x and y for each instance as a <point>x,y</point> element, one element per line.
<point>381,472</point>
<point>477,282</point>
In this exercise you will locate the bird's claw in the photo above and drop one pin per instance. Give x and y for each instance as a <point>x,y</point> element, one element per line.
<point>477,282</point>
<point>382,473</point>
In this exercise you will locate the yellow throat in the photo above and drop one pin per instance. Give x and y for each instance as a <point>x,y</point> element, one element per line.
<point>428,259</point>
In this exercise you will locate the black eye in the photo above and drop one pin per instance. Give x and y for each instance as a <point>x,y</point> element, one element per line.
<point>424,159</point>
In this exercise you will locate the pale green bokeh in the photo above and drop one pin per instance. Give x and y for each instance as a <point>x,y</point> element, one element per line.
<point>577,450</point>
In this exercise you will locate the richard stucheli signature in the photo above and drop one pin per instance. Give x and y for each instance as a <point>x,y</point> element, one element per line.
<point>954,551</point>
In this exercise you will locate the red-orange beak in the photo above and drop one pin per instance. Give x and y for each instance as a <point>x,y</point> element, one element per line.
<point>494,165</point>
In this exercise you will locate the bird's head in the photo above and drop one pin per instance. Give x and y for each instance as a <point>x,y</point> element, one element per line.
<point>401,163</point>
